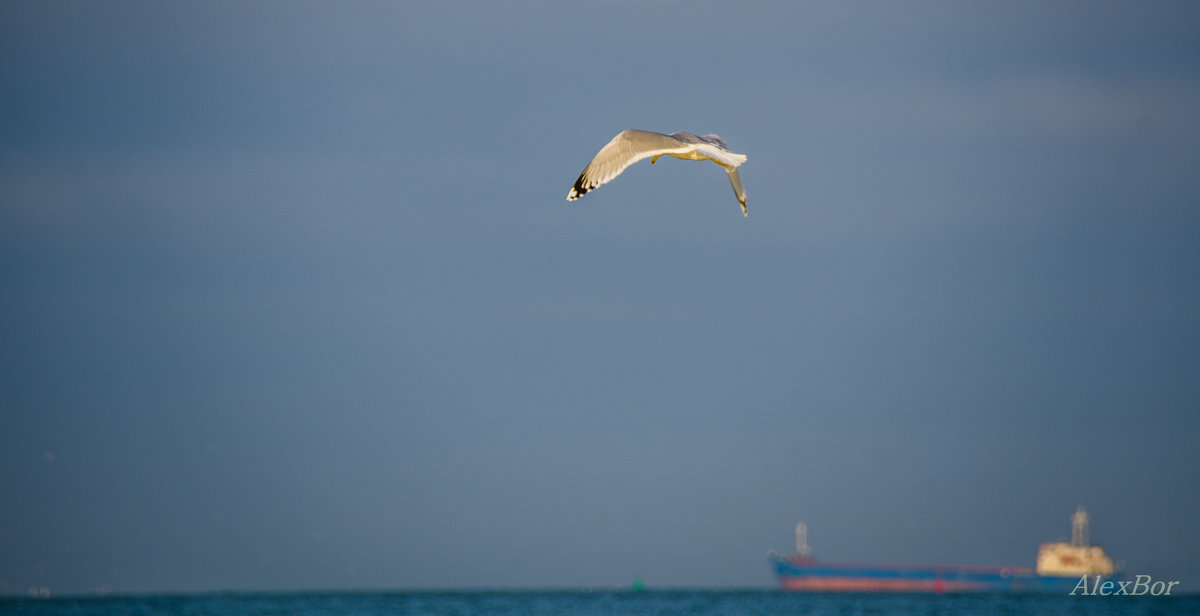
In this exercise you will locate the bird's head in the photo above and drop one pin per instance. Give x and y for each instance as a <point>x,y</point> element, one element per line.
<point>715,140</point>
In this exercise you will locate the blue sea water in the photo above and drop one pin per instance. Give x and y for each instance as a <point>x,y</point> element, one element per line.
<point>599,603</point>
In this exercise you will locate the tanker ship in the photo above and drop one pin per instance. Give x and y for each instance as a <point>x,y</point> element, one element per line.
<point>1060,566</point>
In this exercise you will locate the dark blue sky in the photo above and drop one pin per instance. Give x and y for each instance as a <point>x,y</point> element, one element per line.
<point>292,298</point>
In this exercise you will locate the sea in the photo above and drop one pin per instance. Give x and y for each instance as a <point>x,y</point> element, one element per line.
<point>597,603</point>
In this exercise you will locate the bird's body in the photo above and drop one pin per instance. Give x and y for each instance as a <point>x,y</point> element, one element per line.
<point>630,146</point>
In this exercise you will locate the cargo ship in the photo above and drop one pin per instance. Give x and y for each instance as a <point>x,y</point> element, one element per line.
<point>1060,567</point>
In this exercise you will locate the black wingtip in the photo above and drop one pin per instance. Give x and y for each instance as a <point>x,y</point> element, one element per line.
<point>579,188</point>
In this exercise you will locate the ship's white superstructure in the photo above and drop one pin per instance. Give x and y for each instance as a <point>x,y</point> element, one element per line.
<point>1076,558</point>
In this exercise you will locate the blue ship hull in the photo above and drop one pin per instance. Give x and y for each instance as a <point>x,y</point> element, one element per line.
<point>802,573</point>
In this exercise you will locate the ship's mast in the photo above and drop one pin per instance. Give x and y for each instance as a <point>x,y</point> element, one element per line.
<point>802,539</point>
<point>1079,528</point>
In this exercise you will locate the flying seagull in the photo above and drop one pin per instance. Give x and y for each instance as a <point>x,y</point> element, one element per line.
<point>630,146</point>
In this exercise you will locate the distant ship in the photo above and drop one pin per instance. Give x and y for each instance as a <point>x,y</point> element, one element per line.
<point>1060,566</point>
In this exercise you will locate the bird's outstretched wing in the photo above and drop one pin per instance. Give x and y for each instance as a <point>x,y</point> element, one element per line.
<point>628,147</point>
<point>735,180</point>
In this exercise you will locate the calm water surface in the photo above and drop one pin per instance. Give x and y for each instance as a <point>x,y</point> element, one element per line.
<point>599,603</point>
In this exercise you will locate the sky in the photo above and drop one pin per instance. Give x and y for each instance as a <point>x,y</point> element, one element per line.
<point>292,297</point>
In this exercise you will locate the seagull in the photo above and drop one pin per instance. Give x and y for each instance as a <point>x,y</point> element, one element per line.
<point>630,146</point>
